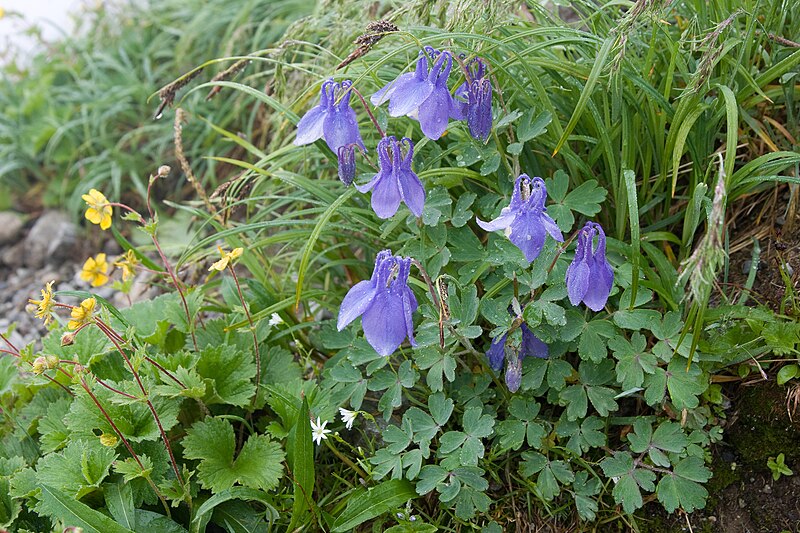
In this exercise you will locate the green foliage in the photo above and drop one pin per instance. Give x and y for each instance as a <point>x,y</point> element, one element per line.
<point>778,467</point>
<point>200,401</point>
<point>258,465</point>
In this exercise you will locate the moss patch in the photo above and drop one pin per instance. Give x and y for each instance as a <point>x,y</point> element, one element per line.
<point>763,428</point>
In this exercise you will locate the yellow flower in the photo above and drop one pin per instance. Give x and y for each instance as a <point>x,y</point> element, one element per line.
<point>95,270</point>
<point>227,258</point>
<point>108,439</point>
<point>82,314</point>
<point>98,212</point>
<point>45,305</point>
<point>128,263</point>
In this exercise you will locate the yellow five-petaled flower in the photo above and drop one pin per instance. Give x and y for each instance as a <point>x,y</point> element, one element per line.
<point>99,211</point>
<point>95,270</point>
<point>227,258</point>
<point>44,307</point>
<point>82,314</point>
<point>128,263</point>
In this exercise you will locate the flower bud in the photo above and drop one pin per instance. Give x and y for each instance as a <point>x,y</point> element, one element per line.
<point>109,440</point>
<point>52,362</point>
<point>163,171</point>
<point>39,365</point>
<point>67,338</point>
<point>514,374</point>
<point>347,163</point>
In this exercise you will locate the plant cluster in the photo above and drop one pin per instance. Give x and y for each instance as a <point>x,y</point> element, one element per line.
<point>562,365</point>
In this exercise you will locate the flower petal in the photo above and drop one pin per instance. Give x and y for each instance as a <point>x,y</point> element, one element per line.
<point>435,112</point>
<point>551,227</point>
<point>358,298</point>
<point>310,127</point>
<point>383,322</point>
<point>532,346</point>
<point>340,128</point>
<point>528,234</point>
<point>497,353</point>
<point>577,280</point>
<point>501,222</point>
<point>412,192</point>
<point>408,95</point>
<point>370,184</point>
<point>386,196</point>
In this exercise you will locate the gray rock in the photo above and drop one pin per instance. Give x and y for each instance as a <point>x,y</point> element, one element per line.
<point>10,227</point>
<point>12,255</point>
<point>52,239</point>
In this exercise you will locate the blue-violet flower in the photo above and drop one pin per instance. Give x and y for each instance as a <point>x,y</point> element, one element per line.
<point>589,276</point>
<point>347,163</point>
<point>395,181</point>
<point>423,94</point>
<point>531,346</point>
<point>333,119</point>
<point>525,220</point>
<point>385,304</point>
<point>477,95</point>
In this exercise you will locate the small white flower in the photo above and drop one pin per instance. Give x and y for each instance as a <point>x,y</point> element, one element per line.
<point>318,431</point>
<point>348,417</point>
<point>275,319</point>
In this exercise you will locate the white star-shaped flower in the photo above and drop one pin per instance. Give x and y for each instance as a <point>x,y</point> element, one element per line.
<point>275,319</point>
<point>348,417</point>
<point>318,431</point>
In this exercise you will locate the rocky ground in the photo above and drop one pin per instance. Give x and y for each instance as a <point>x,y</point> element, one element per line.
<point>50,247</point>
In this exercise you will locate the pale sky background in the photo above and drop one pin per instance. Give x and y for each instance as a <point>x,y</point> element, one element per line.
<point>49,15</point>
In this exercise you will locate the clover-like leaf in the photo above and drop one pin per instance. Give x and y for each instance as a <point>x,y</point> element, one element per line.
<point>682,488</point>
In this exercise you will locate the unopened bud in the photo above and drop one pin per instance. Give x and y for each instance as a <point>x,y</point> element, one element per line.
<point>514,374</point>
<point>52,361</point>
<point>67,338</point>
<point>109,440</point>
<point>163,171</point>
<point>39,365</point>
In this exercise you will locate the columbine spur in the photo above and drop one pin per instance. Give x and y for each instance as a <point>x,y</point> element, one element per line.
<point>531,346</point>
<point>385,304</point>
<point>333,119</point>
<point>477,95</point>
<point>589,276</point>
<point>525,219</point>
<point>423,94</point>
<point>395,181</point>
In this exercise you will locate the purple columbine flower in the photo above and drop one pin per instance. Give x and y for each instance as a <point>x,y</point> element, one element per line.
<point>423,94</point>
<point>531,346</point>
<point>525,220</point>
<point>477,95</point>
<point>589,276</point>
<point>395,181</point>
<point>347,163</point>
<point>385,304</point>
<point>333,119</point>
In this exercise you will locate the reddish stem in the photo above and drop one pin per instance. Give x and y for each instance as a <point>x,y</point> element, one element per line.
<point>147,358</point>
<point>104,329</point>
<point>10,345</point>
<point>125,441</point>
<point>369,111</point>
<point>252,330</point>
